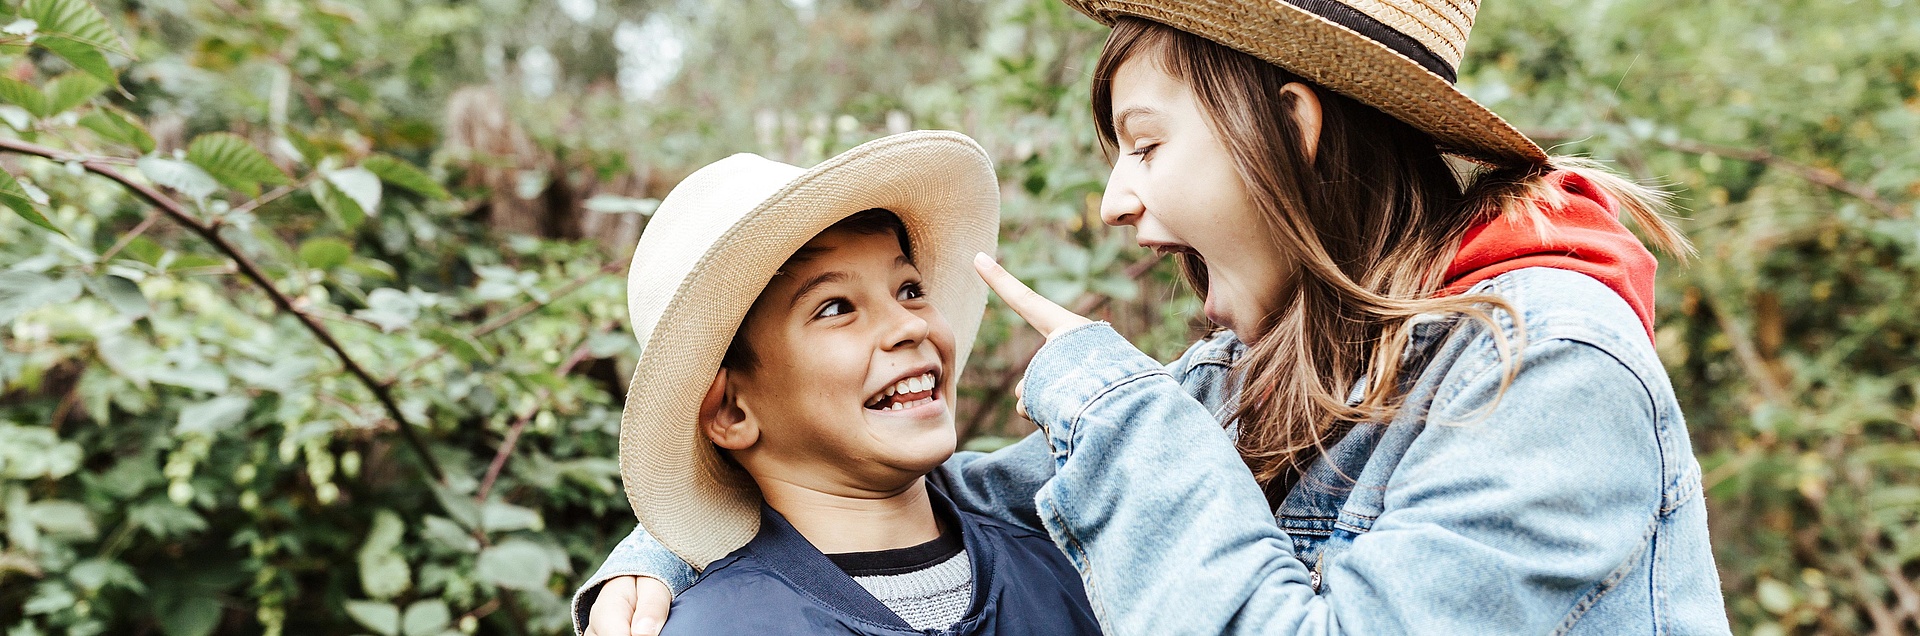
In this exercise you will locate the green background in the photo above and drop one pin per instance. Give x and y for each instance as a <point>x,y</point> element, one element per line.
<point>447,190</point>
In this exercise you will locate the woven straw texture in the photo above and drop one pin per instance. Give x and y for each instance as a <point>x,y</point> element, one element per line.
<point>707,253</point>
<point>1352,64</point>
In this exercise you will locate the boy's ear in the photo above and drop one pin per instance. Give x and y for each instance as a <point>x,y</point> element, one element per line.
<point>722,419</point>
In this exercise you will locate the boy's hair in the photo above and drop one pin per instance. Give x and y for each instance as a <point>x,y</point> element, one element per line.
<point>865,222</point>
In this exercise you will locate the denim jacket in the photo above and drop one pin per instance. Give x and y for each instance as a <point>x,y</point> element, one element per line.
<point>1572,504</point>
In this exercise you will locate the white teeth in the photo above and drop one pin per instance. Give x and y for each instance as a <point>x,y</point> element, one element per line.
<point>916,384</point>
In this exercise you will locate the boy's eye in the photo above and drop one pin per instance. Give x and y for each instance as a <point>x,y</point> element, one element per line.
<point>833,307</point>
<point>910,291</point>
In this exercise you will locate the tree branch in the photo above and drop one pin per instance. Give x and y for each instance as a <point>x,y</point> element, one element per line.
<point>515,314</point>
<point>520,424</point>
<point>173,209</point>
<point>1824,177</point>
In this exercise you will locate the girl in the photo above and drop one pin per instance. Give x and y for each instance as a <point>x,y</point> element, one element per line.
<point>1444,413</point>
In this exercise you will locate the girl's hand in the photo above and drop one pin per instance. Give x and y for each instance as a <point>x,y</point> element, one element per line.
<point>629,606</point>
<point>1050,318</point>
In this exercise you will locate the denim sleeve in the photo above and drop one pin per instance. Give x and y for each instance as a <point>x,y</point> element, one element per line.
<point>1508,520</point>
<point>637,555</point>
<point>1002,484</point>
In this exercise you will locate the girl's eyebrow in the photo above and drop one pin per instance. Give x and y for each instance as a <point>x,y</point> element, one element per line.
<point>814,283</point>
<point>1121,118</point>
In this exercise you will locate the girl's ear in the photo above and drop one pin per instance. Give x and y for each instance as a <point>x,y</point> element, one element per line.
<point>722,419</point>
<point>1306,112</point>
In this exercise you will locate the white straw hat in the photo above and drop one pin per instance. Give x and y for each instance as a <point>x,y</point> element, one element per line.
<point>709,251</point>
<point>1399,56</point>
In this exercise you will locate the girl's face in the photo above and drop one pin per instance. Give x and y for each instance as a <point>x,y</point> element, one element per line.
<point>1176,184</point>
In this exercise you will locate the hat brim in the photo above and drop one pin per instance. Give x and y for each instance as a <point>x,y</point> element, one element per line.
<point>1344,61</point>
<point>940,184</point>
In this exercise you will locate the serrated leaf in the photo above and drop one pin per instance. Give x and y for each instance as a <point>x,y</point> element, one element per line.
<point>337,205</point>
<point>24,95</point>
<point>21,292</point>
<point>382,618</point>
<point>123,294</point>
<point>211,417</point>
<point>359,184</point>
<point>389,308</point>
<point>14,196</point>
<point>325,253</point>
<point>63,518</point>
<point>514,564</point>
<point>462,345</point>
<point>383,573</point>
<point>426,618</point>
<point>118,126</point>
<point>186,178</point>
<point>75,30</point>
<point>68,91</point>
<point>500,516</point>
<point>398,172</point>
<point>232,160</point>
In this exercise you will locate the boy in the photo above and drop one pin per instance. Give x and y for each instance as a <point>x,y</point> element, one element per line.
<point>795,388</point>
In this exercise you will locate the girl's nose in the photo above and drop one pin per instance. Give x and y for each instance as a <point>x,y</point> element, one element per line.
<point>1121,205</point>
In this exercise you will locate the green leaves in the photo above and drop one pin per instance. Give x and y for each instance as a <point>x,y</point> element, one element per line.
<point>184,177</point>
<point>21,292</point>
<point>423,618</point>
<point>234,162</point>
<point>397,172</point>
<point>383,572</point>
<point>515,564</point>
<point>118,126</point>
<point>16,198</point>
<point>75,30</point>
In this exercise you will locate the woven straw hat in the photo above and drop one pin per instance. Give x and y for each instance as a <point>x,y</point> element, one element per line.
<point>1399,56</point>
<point>709,251</point>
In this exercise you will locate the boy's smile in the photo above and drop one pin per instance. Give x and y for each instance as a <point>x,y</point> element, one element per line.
<point>847,390</point>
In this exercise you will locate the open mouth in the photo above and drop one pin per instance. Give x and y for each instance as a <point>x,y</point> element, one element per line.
<point>907,393</point>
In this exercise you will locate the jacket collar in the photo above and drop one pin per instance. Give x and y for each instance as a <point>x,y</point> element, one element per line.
<point>781,548</point>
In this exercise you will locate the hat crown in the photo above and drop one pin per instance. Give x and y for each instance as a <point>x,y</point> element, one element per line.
<point>1439,25</point>
<point>693,216</point>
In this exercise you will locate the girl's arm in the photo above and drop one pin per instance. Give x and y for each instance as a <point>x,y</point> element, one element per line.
<point>1504,521</point>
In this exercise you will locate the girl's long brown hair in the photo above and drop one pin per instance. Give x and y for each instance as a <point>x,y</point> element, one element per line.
<point>1373,218</point>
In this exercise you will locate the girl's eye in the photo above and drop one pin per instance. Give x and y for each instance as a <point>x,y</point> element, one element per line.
<point>1144,152</point>
<point>911,291</point>
<point>833,308</point>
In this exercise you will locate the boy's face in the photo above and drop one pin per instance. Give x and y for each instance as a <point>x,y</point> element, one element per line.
<point>849,393</point>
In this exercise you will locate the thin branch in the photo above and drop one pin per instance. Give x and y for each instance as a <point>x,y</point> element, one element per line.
<point>520,424</point>
<point>274,194</point>
<point>1824,177</point>
<point>127,239</point>
<point>1088,304</point>
<point>179,214</point>
<point>515,314</point>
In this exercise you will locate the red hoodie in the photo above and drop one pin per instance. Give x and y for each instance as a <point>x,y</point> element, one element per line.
<point>1586,236</point>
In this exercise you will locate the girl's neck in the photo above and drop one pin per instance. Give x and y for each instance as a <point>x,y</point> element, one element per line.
<point>864,522</point>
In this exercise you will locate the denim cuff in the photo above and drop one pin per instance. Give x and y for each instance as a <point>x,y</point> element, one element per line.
<point>1072,371</point>
<point>638,555</point>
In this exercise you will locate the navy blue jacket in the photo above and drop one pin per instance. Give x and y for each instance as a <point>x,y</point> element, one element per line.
<point>779,584</point>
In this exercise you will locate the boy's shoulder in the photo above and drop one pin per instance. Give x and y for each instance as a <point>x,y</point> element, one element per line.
<point>739,594</point>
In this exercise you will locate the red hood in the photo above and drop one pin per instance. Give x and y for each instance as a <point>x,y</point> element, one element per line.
<point>1585,236</point>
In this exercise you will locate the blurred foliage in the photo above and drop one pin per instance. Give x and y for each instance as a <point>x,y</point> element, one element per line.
<point>446,189</point>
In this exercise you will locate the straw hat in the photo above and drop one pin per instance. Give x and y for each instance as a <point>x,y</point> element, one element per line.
<point>707,253</point>
<point>1400,56</point>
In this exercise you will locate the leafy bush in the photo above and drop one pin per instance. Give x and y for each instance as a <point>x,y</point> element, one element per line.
<point>312,315</point>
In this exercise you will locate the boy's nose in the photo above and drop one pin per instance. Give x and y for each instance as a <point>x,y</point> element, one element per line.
<point>905,328</point>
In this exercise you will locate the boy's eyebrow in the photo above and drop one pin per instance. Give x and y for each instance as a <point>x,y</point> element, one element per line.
<point>812,283</point>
